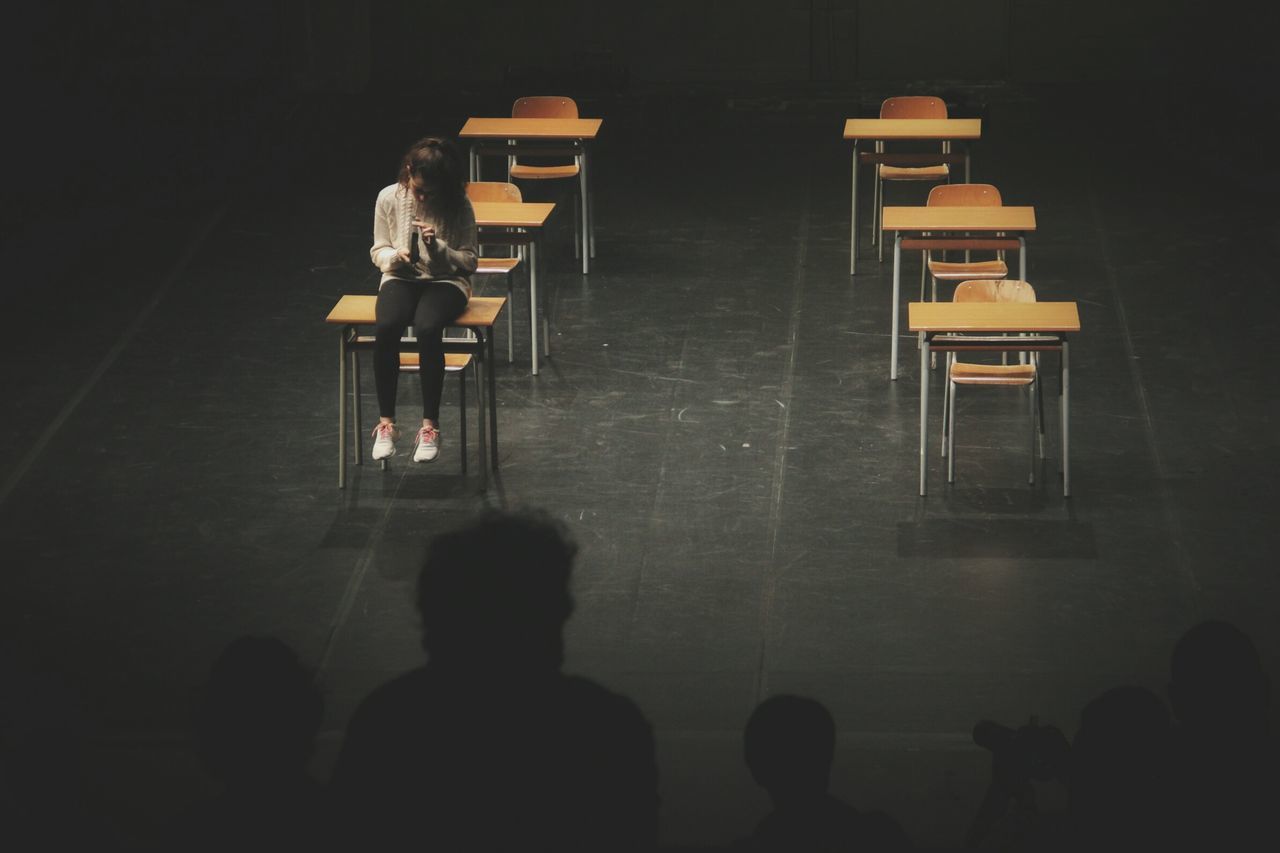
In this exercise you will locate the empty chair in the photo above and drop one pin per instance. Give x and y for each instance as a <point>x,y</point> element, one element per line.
<point>1009,375</point>
<point>501,191</point>
<point>906,107</point>
<point>555,106</point>
<point>967,195</point>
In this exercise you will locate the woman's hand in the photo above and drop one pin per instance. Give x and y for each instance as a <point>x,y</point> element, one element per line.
<point>435,246</point>
<point>403,258</point>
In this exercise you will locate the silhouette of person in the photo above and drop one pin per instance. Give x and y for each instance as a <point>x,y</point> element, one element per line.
<point>489,746</point>
<point>1117,793</point>
<point>789,744</point>
<point>255,732</point>
<point>1225,760</point>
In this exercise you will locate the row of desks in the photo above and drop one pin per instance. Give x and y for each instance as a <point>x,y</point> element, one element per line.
<point>538,136</point>
<point>926,227</point>
<point>1042,325</point>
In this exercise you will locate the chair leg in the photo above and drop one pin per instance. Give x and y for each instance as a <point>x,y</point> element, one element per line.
<point>875,208</point>
<point>1031,412</point>
<point>1039,405</point>
<point>946,402</point>
<point>924,267</point>
<point>510,312</point>
<point>462,415</point>
<point>933,297</point>
<point>951,435</point>
<point>591,223</point>
<point>879,222</point>
<point>577,226</point>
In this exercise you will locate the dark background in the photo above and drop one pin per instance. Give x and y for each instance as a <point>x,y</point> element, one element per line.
<point>185,181</point>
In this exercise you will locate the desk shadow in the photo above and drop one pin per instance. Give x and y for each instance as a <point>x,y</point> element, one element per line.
<point>447,498</point>
<point>979,500</point>
<point>997,538</point>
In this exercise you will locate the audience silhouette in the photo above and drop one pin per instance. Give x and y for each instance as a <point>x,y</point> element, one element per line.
<point>1118,795</point>
<point>1134,780</point>
<point>789,745</point>
<point>255,733</point>
<point>489,746</point>
<point>1224,758</point>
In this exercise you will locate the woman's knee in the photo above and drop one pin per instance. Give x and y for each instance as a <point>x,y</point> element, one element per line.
<point>385,333</point>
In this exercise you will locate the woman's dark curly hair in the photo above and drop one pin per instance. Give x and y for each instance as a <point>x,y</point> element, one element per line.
<point>436,162</point>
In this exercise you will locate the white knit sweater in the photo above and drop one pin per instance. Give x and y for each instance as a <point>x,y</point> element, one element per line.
<point>393,230</point>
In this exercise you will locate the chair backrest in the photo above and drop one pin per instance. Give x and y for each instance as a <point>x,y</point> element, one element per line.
<point>544,106</point>
<point>493,191</point>
<point>964,195</point>
<point>1005,290</point>
<point>913,106</point>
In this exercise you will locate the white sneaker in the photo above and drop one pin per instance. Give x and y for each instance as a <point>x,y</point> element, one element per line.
<point>426,445</point>
<point>384,441</point>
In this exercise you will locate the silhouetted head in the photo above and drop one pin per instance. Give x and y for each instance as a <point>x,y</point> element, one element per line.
<point>1218,689</point>
<point>494,595</point>
<point>789,743</point>
<point>1119,759</point>
<point>260,714</point>
<point>432,170</point>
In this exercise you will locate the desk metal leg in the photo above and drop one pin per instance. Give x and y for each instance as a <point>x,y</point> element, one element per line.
<point>487,345</point>
<point>924,417</point>
<point>357,428</point>
<point>462,416</point>
<point>533,305</point>
<point>1066,419</point>
<point>966,165</point>
<point>1022,258</point>
<point>897,275</point>
<point>480,410</point>
<point>472,163</point>
<point>342,410</point>
<point>588,233</point>
<point>853,215</point>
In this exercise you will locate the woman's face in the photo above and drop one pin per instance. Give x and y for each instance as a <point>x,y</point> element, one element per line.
<point>422,190</point>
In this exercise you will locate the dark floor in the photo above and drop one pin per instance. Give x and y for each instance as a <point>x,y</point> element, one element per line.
<point>715,426</point>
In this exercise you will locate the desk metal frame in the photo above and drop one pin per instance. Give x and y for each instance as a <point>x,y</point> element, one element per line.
<point>933,238</point>
<point>351,344</point>
<point>991,338</point>
<point>501,224</point>
<point>867,129</point>
<point>509,142</point>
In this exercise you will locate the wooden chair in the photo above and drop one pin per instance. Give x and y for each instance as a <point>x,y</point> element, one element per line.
<point>966,195</point>
<point>962,195</point>
<point>554,106</point>
<point>989,375</point>
<point>906,107</point>
<point>501,191</point>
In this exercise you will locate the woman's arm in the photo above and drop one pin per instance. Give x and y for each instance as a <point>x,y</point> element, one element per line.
<point>383,253</point>
<point>452,251</point>
<point>463,253</point>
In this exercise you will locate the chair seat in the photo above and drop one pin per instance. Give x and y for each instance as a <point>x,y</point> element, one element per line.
<point>498,266</point>
<point>533,173</point>
<point>453,361</point>
<point>965,373</point>
<point>915,173</point>
<point>948,271</point>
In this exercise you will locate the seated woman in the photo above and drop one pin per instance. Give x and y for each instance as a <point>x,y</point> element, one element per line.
<point>424,242</point>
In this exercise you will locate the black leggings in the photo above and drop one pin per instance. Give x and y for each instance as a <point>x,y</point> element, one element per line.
<point>428,306</point>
